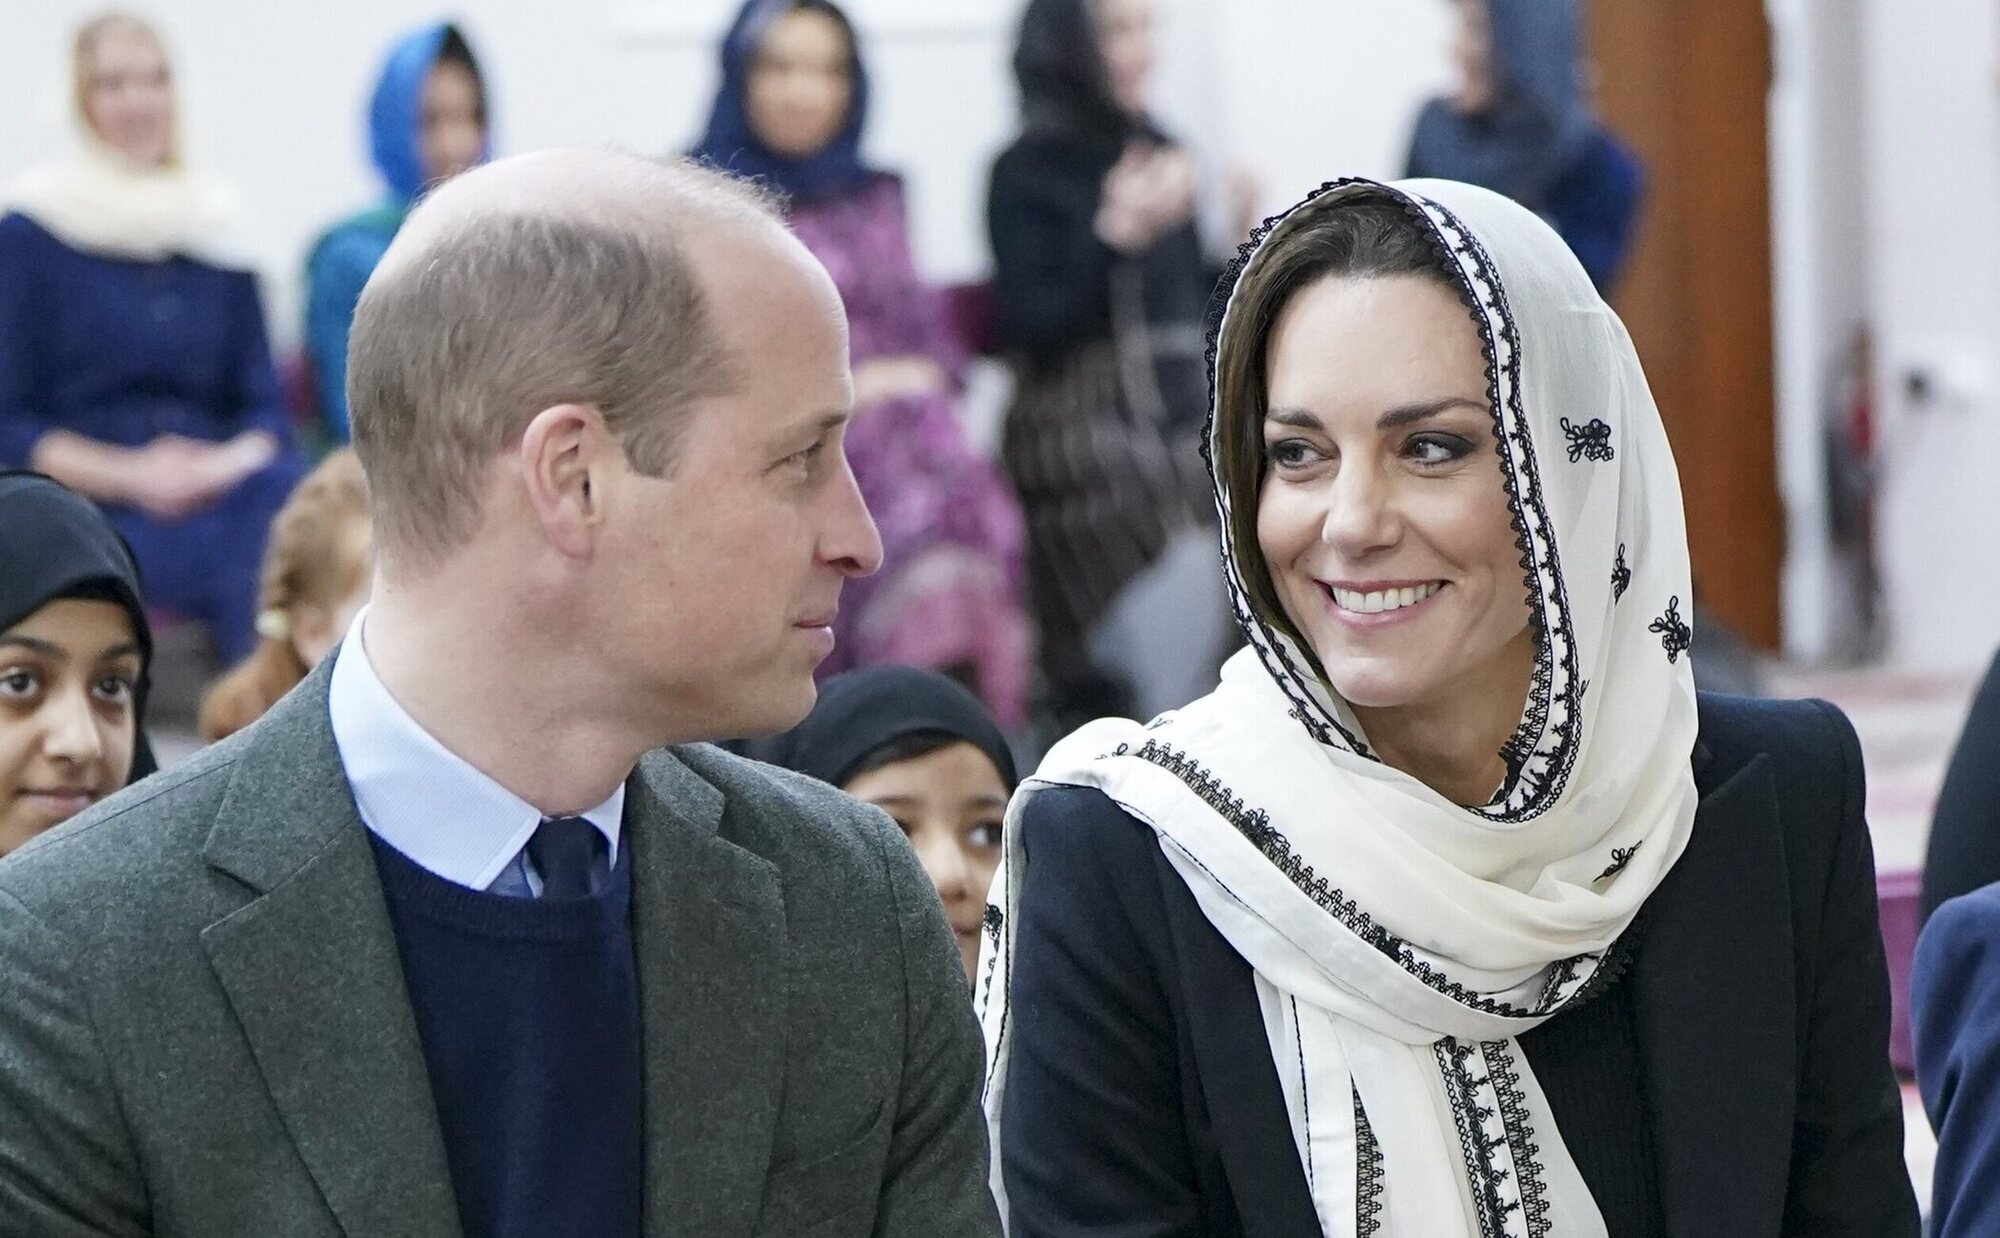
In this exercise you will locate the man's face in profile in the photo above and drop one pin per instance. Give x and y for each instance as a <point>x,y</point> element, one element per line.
<point>731,566</point>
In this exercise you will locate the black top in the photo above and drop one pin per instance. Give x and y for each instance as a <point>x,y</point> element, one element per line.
<point>1965,833</point>
<point>528,1011</point>
<point>1734,1082</point>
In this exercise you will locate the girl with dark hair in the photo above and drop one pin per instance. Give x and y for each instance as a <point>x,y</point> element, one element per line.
<point>74,651</point>
<point>924,750</point>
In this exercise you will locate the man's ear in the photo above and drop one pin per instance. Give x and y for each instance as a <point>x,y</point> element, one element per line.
<point>561,460</point>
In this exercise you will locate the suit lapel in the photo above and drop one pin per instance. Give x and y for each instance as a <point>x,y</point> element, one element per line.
<point>1714,1021</point>
<point>311,969</point>
<point>709,935</point>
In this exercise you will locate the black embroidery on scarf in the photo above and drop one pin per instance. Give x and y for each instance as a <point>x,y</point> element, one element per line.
<point>1481,1151</point>
<point>1674,634</point>
<point>1620,857</point>
<point>1255,825</point>
<point>1621,575</point>
<point>1589,441</point>
<point>1368,1175</point>
<point>1527,1154</point>
<point>992,919</point>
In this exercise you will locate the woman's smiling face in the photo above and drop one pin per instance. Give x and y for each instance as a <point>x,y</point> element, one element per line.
<point>1383,516</point>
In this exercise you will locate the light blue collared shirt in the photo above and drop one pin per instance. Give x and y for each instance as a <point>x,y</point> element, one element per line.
<point>426,801</point>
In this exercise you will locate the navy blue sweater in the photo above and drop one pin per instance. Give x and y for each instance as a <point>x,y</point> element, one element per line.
<point>528,1010</point>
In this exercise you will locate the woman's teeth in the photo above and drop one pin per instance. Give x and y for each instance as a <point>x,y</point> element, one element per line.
<point>1378,600</point>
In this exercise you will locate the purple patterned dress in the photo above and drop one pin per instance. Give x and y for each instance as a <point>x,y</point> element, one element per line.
<point>949,595</point>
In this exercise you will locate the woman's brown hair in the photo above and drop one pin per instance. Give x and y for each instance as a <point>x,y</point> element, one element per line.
<point>1351,235</point>
<point>318,555</point>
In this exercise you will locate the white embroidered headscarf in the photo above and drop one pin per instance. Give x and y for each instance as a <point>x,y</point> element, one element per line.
<point>1402,943</point>
<point>101,202</point>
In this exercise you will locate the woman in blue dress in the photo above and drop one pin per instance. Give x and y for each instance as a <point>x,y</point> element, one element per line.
<point>134,365</point>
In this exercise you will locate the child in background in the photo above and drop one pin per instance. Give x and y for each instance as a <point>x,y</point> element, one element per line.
<point>922,748</point>
<point>316,577</point>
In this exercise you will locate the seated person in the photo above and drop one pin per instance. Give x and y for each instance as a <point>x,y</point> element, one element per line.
<point>924,750</point>
<point>426,122</point>
<point>134,366</point>
<point>74,649</point>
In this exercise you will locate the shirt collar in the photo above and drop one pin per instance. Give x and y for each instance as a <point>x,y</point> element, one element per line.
<point>420,797</point>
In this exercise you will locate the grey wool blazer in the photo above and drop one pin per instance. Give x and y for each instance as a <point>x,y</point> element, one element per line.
<point>204,1029</point>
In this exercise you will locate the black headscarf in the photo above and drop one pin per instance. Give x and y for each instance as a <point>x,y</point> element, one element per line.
<point>55,544</point>
<point>862,712</point>
<point>1158,299</point>
<point>1064,87</point>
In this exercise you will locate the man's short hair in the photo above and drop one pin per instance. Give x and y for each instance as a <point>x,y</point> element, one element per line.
<point>515,309</point>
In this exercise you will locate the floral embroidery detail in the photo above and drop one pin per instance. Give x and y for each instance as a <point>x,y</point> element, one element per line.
<point>1589,441</point>
<point>1674,633</point>
<point>1620,857</point>
<point>1621,575</point>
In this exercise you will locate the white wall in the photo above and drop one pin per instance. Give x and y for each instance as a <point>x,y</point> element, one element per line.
<point>275,92</point>
<point>1821,265</point>
<point>1934,241</point>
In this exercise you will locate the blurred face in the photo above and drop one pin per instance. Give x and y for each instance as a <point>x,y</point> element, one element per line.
<point>128,97</point>
<point>67,721</point>
<point>1383,518</point>
<point>950,803</point>
<point>1125,39</point>
<point>451,133</point>
<point>1472,55</point>
<point>801,84</point>
<point>722,579</point>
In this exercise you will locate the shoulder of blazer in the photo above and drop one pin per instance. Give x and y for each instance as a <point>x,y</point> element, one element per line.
<point>797,823</point>
<point>103,862</point>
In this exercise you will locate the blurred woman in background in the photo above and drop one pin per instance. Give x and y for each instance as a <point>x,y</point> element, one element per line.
<point>74,652</point>
<point>317,572</point>
<point>427,121</point>
<point>791,113</point>
<point>1100,291</point>
<point>1520,123</point>
<point>134,364</point>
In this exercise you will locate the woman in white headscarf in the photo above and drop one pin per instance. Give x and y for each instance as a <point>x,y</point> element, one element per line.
<point>1451,912</point>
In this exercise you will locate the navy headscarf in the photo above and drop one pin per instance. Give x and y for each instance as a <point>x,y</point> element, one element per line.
<point>1539,122</point>
<point>861,713</point>
<point>731,144</point>
<point>55,544</point>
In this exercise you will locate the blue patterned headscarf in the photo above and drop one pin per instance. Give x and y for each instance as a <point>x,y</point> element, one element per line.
<point>395,110</point>
<point>730,142</point>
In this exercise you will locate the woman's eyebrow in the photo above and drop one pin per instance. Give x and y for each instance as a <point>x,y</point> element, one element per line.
<point>47,649</point>
<point>1401,415</point>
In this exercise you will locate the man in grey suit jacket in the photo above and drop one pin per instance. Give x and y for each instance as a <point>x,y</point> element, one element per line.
<point>290,987</point>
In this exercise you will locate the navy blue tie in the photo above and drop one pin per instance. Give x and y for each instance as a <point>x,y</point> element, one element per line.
<point>569,853</point>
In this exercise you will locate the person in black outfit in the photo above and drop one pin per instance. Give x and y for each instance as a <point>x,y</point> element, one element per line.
<point>1454,910</point>
<point>1964,849</point>
<point>1100,291</point>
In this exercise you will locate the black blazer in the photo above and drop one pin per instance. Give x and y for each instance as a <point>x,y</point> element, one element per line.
<point>1964,851</point>
<point>1142,1098</point>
